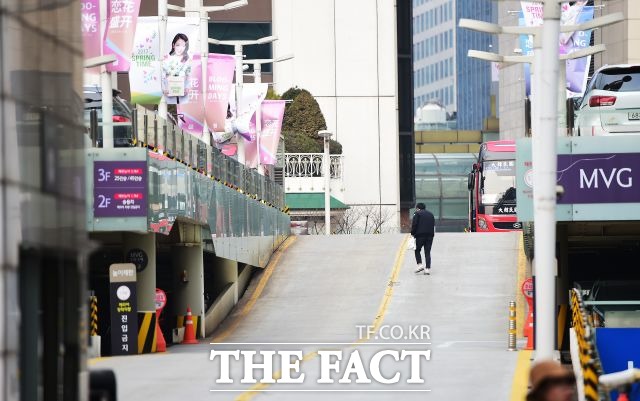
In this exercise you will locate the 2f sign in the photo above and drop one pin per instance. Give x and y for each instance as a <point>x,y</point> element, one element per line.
<point>103,175</point>
<point>598,176</point>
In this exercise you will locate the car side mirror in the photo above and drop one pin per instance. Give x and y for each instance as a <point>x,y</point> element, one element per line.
<point>470,181</point>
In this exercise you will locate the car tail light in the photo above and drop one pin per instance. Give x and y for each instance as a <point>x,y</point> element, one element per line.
<point>597,101</point>
<point>120,119</point>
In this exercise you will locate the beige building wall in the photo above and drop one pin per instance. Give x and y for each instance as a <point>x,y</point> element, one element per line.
<point>623,46</point>
<point>511,89</point>
<point>622,39</point>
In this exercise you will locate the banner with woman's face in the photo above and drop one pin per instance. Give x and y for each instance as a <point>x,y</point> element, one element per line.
<point>183,41</point>
<point>151,73</point>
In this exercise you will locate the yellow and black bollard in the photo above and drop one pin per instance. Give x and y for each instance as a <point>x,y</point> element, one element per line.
<point>94,315</point>
<point>512,326</point>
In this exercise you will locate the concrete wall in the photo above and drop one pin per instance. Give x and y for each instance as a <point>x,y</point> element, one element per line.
<point>511,88</point>
<point>344,54</point>
<point>622,39</point>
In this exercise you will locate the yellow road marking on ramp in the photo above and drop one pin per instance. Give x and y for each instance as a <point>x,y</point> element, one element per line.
<point>520,383</point>
<point>266,275</point>
<point>377,321</point>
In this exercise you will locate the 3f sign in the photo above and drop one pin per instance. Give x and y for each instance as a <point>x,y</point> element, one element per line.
<point>103,175</point>
<point>622,178</point>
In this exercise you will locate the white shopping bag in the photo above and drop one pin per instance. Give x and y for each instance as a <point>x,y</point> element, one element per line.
<point>176,85</point>
<point>411,244</point>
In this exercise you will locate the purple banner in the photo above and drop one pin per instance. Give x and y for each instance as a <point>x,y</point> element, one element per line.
<point>599,178</point>
<point>120,189</point>
<point>122,16</point>
<point>91,35</point>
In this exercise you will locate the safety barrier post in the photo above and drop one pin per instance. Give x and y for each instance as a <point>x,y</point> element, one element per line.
<point>94,341</point>
<point>512,326</point>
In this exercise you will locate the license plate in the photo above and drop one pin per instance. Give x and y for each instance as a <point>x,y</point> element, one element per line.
<point>634,115</point>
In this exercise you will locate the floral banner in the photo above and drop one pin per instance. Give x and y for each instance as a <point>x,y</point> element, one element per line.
<point>91,35</point>
<point>220,69</point>
<point>183,42</point>
<point>122,16</point>
<point>191,113</point>
<point>144,74</point>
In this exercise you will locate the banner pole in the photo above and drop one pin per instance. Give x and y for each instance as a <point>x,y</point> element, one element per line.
<point>162,16</point>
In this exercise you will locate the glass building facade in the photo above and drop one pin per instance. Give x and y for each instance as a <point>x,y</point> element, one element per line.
<point>442,71</point>
<point>441,184</point>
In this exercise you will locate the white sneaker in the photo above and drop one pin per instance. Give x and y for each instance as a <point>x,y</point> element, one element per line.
<point>427,270</point>
<point>420,268</point>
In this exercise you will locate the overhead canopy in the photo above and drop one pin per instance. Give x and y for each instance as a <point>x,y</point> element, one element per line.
<point>311,201</point>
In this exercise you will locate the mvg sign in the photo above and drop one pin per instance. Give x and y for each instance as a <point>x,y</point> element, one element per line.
<point>599,178</point>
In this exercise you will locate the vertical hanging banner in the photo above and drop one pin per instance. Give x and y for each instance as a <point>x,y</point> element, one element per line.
<point>577,69</point>
<point>183,41</point>
<point>144,73</point>
<point>252,97</point>
<point>220,69</point>
<point>122,16</point>
<point>272,114</point>
<point>191,113</point>
<point>91,35</point>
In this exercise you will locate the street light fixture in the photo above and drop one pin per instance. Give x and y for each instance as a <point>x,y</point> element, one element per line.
<point>545,107</point>
<point>257,78</point>
<point>197,9</point>
<point>107,96</point>
<point>237,46</point>
<point>326,160</point>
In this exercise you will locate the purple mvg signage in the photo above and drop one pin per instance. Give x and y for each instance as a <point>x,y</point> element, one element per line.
<point>599,178</point>
<point>120,188</point>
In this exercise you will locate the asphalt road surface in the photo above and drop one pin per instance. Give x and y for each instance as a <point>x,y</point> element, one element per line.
<point>324,296</point>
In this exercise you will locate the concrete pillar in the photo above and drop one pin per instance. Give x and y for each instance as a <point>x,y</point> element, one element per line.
<point>187,263</point>
<point>140,249</point>
<point>137,246</point>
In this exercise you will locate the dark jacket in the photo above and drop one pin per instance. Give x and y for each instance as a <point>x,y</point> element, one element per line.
<point>423,224</point>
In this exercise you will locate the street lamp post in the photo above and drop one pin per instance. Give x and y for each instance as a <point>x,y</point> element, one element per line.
<point>326,160</point>
<point>237,48</point>
<point>544,156</point>
<point>107,97</point>
<point>257,78</point>
<point>197,9</point>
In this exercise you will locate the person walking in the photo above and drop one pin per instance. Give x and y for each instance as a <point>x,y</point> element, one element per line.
<point>422,229</point>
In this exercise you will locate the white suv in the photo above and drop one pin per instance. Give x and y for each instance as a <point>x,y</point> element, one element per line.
<point>611,102</point>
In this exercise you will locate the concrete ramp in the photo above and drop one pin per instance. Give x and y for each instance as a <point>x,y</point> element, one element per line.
<point>325,291</point>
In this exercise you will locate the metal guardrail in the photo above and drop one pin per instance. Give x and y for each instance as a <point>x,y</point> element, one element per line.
<point>588,353</point>
<point>160,135</point>
<point>310,165</point>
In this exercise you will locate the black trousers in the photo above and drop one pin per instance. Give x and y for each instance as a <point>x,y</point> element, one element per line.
<point>425,242</point>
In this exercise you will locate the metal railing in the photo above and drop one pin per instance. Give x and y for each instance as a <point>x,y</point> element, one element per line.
<point>162,136</point>
<point>309,165</point>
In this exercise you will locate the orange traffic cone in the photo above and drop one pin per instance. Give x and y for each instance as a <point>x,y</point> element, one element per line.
<point>161,344</point>
<point>189,332</point>
<point>528,331</point>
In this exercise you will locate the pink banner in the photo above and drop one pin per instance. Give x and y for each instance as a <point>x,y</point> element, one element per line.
<point>191,114</point>
<point>122,16</point>
<point>219,80</point>
<point>90,17</point>
<point>251,144</point>
<point>272,113</point>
